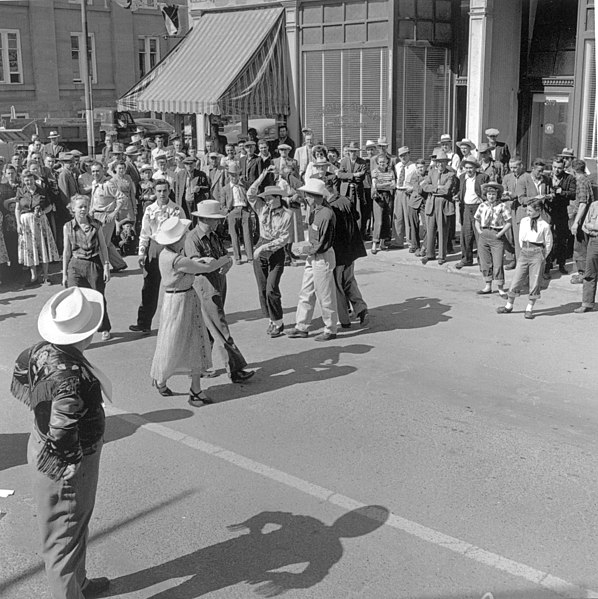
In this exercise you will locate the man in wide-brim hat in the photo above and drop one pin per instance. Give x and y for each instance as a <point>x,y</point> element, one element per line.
<point>203,243</point>
<point>352,172</point>
<point>53,148</point>
<point>64,391</point>
<point>318,276</point>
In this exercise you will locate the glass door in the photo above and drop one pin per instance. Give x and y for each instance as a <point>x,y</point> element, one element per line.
<point>550,129</point>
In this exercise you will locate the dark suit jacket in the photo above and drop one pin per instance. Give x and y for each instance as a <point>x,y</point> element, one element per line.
<point>418,196</point>
<point>347,174</point>
<point>198,180</point>
<point>557,207</point>
<point>480,179</point>
<point>273,146</point>
<point>445,186</point>
<point>217,181</point>
<point>502,155</point>
<point>348,243</point>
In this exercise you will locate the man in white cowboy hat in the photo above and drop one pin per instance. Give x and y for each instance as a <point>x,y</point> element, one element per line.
<point>404,168</point>
<point>499,150</point>
<point>53,148</point>
<point>470,197</point>
<point>64,391</point>
<point>382,145</point>
<point>201,243</point>
<point>149,253</point>
<point>318,276</point>
<point>238,213</point>
<point>446,145</point>
<point>441,184</point>
<point>351,174</point>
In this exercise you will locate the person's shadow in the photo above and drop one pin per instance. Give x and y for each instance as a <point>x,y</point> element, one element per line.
<point>273,540</point>
<point>13,446</point>
<point>317,364</point>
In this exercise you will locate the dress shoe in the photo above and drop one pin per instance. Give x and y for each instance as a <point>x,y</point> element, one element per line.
<point>238,262</point>
<point>425,260</point>
<point>503,310</point>
<point>106,335</point>
<point>240,376</point>
<point>325,337</point>
<point>484,291</point>
<point>583,309</point>
<point>276,331</point>
<point>270,327</point>
<point>95,587</point>
<point>374,248</point>
<point>563,270</point>
<point>345,325</point>
<point>412,250</point>
<point>461,264</point>
<point>364,316</point>
<point>529,315</point>
<point>136,328</point>
<point>442,261</point>
<point>295,333</point>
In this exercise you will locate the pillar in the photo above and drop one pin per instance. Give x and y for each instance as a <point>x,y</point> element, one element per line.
<point>293,120</point>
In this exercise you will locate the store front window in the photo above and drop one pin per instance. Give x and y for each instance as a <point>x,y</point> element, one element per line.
<point>549,129</point>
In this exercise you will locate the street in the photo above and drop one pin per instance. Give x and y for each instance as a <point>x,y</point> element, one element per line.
<point>442,452</point>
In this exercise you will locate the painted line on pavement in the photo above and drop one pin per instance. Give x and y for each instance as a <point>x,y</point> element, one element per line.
<point>487,558</point>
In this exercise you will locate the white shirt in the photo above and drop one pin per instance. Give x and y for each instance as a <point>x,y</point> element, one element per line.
<point>470,196</point>
<point>239,196</point>
<point>542,235</point>
<point>409,169</point>
<point>153,217</point>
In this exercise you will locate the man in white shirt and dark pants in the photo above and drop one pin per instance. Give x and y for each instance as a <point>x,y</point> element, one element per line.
<point>237,206</point>
<point>405,168</point>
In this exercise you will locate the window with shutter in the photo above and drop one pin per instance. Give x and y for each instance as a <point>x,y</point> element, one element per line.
<point>422,105</point>
<point>589,144</point>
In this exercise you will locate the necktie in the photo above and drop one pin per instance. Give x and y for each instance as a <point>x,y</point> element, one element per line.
<point>401,175</point>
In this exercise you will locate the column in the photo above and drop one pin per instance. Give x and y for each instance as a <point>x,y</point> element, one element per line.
<point>290,9</point>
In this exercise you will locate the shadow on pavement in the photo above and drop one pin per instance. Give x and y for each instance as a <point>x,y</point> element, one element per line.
<point>290,540</point>
<point>317,364</point>
<point>7,300</point>
<point>558,310</point>
<point>13,446</point>
<point>4,317</point>
<point>253,315</point>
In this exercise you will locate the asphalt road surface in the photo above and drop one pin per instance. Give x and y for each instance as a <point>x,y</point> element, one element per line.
<point>440,453</point>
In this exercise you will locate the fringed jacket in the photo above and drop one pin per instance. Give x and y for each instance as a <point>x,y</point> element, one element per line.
<point>57,383</point>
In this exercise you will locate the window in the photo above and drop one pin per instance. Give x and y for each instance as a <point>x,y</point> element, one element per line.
<point>589,138</point>
<point>11,67</point>
<point>77,66</point>
<point>149,54</point>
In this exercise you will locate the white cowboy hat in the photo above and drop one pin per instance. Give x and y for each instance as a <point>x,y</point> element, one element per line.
<point>71,315</point>
<point>315,187</point>
<point>171,230</point>
<point>209,209</point>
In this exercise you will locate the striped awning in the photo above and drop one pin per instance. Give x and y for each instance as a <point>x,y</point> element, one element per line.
<point>231,62</point>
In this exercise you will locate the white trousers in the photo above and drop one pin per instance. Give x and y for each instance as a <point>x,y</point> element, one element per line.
<point>318,284</point>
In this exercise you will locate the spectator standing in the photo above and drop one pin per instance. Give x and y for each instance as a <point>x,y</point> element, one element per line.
<point>577,209</point>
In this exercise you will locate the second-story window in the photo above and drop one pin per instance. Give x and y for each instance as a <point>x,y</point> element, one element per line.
<point>11,66</point>
<point>77,57</point>
<point>149,54</point>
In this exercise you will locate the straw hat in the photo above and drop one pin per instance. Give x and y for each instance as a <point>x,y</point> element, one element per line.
<point>171,230</point>
<point>403,150</point>
<point>471,161</point>
<point>445,138</point>
<point>71,315</point>
<point>492,132</point>
<point>466,142</point>
<point>273,190</point>
<point>493,185</point>
<point>370,143</point>
<point>54,135</point>
<point>146,167</point>
<point>209,209</point>
<point>382,142</point>
<point>314,187</point>
<point>7,203</point>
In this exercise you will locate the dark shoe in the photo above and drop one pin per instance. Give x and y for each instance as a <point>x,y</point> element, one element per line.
<point>461,264</point>
<point>577,279</point>
<point>238,262</point>
<point>442,261</point>
<point>139,329</point>
<point>325,337</point>
<point>269,329</point>
<point>364,317</point>
<point>412,250</point>
<point>504,310</point>
<point>295,333</point>
<point>95,587</point>
<point>276,331</point>
<point>583,309</point>
<point>510,266</point>
<point>240,376</point>
<point>121,268</point>
<point>484,291</point>
<point>425,260</point>
<point>198,399</point>
<point>563,270</point>
<point>32,283</point>
<point>163,390</point>
<point>529,315</point>
<point>345,325</point>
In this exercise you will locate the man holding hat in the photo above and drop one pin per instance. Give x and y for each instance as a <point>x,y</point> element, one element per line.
<point>239,213</point>
<point>470,197</point>
<point>404,169</point>
<point>499,150</point>
<point>191,186</point>
<point>201,243</point>
<point>64,391</point>
<point>441,185</point>
<point>269,253</point>
<point>53,148</point>
<point>318,276</point>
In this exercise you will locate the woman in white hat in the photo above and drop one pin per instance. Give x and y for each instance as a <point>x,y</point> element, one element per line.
<point>64,392</point>
<point>183,346</point>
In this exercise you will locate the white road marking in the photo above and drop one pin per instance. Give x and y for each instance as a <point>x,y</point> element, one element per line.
<point>487,558</point>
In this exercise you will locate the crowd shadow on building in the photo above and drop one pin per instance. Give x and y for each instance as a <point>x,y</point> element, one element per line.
<point>13,446</point>
<point>271,541</point>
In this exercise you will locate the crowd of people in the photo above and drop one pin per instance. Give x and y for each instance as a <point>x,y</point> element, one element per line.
<point>178,211</point>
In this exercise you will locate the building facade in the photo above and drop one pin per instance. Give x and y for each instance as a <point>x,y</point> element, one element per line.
<point>413,69</point>
<point>41,58</point>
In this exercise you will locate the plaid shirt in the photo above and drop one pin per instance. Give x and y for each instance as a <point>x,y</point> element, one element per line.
<point>583,194</point>
<point>494,216</point>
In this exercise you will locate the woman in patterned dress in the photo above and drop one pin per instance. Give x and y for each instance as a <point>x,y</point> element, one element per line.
<point>36,242</point>
<point>183,346</point>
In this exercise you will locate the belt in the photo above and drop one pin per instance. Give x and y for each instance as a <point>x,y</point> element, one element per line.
<point>177,290</point>
<point>531,244</point>
<point>493,228</point>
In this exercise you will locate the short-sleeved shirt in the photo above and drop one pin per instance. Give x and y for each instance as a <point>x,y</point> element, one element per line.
<point>84,246</point>
<point>493,216</point>
<point>30,200</point>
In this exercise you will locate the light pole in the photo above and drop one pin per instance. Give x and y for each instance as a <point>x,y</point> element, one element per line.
<point>85,76</point>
